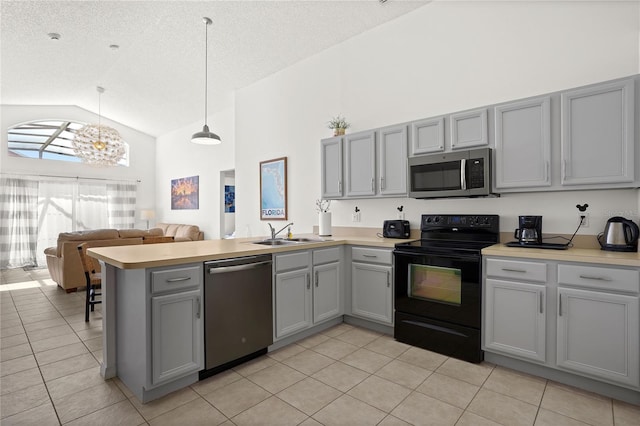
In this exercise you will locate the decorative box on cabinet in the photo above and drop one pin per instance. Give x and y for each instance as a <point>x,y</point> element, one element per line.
<point>598,134</point>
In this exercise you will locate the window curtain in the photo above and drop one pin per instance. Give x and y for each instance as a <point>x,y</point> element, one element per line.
<point>18,222</point>
<point>34,210</point>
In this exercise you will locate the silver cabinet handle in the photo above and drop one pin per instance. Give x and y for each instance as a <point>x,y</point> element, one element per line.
<point>225,269</point>
<point>370,255</point>
<point>463,174</point>
<point>564,170</point>
<point>198,307</point>
<point>514,270</point>
<point>381,182</point>
<point>560,307</point>
<point>316,278</point>
<point>541,303</point>
<point>590,277</point>
<point>547,174</point>
<point>373,184</point>
<point>175,280</point>
<point>388,279</point>
<point>340,185</point>
<point>308,281</point>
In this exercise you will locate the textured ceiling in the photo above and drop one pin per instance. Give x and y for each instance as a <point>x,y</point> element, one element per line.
<point>155,81</point>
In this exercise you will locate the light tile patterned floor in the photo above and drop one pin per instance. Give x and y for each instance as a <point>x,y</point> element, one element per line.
<point>344,376</point>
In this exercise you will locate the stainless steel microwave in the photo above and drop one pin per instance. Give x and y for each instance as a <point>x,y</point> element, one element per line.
<point>452,174</point>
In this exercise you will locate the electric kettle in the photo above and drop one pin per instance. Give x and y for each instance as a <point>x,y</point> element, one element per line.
<point>619,234</point>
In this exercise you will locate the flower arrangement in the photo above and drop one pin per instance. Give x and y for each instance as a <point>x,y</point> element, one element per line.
<point>338,124</point>
<point>322,206</point>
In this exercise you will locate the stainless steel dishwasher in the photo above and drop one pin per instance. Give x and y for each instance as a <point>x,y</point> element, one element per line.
<point>238,311</point>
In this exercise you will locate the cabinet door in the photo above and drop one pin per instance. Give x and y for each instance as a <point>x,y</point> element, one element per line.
<point>331,154</point>
<point>515,319</point>
<point>523,144</point>
<point>427,136</point>
<point>176,335</point>
<point>392,160</point>
<point>598,334</point>
<point>372,292</point>
<point>292,302</point>
<point>469,128</point>
<point>327,298</point>
<point>360,156</point>
<point>598,134</point>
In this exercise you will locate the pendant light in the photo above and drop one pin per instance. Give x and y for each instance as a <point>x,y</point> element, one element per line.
<point>96,144</point>
<point>205,137</point>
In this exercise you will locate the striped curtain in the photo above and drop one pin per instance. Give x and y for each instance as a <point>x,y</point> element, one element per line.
<point>18,222</point>
<point>121,205</point>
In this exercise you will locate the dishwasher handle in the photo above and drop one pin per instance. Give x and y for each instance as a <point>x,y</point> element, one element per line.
<point>245,267</point>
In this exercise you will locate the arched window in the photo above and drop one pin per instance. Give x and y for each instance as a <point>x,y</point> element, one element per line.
<point>48,139</point>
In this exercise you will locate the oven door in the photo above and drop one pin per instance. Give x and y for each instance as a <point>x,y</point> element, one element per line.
<point>442,287</point>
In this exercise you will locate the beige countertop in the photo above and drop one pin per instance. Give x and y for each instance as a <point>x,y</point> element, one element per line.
<point>167,254</point>
<point>588,255</point>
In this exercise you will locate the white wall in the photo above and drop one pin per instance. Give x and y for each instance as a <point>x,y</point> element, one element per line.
<point>444,57</point>
<point>142,151</point>
<point>177,157</point>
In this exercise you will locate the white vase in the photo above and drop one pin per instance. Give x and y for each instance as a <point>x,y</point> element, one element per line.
<point>324,224</point>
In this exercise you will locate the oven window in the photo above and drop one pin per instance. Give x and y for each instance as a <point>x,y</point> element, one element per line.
<point>434,283</point>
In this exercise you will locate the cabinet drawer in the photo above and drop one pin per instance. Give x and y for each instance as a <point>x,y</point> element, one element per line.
<point>175,279</point>
<point>289,261</point>
<point>517,269</point>
<point>597,277</point>
<point>326,255</point>
<point>366,254</point>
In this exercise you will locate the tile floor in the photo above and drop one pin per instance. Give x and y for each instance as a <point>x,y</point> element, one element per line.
<point>343,376</point>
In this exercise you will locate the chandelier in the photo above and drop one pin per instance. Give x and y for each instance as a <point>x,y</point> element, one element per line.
<point>205,137</point>
<point>98,145</point>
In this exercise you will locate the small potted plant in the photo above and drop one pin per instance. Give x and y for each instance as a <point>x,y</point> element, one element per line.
<point>339,125</point>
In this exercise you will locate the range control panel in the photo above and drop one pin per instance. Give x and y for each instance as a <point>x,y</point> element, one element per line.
<point>450,221</point>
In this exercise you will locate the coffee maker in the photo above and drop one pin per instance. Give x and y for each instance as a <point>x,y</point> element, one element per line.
<point>529,230</point>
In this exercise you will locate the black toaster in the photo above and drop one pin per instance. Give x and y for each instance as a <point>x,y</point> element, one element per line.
<point>395,229</point>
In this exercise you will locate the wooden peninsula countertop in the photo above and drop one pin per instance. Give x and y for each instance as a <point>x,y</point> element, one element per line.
<point>167,254</point>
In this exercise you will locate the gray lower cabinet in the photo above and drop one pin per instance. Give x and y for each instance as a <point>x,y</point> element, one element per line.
<point>584,317</point>
<point>159,326</point>
<point>598,134</point>
<point>372,284</point>
<point>598,328</point>
<point>307,289</point>
<point>523,144</point>
<point>515,313</point>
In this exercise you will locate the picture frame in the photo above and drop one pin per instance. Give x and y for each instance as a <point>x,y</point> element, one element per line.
<point>273,189</point>
<point>229,199</point>
<point>185,193</point>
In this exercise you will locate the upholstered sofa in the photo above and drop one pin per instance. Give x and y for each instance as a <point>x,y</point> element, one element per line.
<point>181,232</point>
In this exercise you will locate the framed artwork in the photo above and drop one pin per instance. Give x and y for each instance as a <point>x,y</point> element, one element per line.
<point>273,189</point>
<point>185,193</point>
<point>229,199</point>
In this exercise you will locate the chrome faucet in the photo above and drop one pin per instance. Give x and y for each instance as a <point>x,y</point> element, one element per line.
<point>273,231</point>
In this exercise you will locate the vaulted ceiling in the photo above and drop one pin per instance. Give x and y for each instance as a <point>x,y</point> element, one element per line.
<point>154,81</point>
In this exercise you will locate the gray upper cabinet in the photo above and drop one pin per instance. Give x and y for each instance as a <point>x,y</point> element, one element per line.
<point>598,134</point>
<point>360,160</point>
<point>427,136</point>
<point>392,160</point>
<point>469,129</point>
<point>523,144</point>
<point>331,154</point>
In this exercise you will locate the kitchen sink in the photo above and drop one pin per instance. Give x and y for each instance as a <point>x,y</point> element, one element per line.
<point>284,242</point>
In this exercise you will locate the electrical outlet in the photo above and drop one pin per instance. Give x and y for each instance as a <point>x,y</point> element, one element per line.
<point>401,215</point>
<point>585,221</point>
<point>355,217</point>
